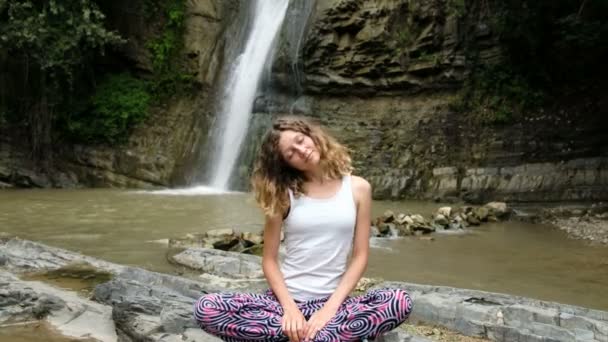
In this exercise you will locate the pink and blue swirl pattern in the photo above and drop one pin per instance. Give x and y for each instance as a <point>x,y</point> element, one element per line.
<point>237,317</point>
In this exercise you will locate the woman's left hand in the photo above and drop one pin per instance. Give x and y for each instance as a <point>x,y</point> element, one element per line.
<point>317,321</point>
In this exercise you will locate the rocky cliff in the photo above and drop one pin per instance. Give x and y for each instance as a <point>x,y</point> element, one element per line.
<point>384,76</point>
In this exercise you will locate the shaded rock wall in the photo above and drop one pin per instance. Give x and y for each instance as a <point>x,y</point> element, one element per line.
<point>382,76</point>
<point>160,150</point>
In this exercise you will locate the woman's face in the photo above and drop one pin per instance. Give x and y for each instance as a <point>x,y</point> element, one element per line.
<point>298,150</point>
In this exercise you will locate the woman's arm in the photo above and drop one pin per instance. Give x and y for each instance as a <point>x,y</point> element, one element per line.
<point>362,191</point>
<point>293,323</point>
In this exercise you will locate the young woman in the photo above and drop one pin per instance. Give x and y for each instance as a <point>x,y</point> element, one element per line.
<point>303,184</point>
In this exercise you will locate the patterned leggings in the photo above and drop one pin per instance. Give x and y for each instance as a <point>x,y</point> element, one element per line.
<point>238,317</point>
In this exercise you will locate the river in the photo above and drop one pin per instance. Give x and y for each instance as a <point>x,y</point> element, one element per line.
<point>125,227</point>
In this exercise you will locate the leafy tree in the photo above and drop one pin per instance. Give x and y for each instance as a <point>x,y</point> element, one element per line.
<point>52,40</point>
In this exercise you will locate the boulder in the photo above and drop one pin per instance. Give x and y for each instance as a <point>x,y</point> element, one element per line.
<point>220,233</point>
<point>225,264</point>
<point>472,220</point>
<point>501,317</point>
<point>252,238</point>
<point>441,220</point>
<point>385,228</point>
<point>71,314</point>
<point>481,213</point>
<point>445,211</point>
<point>388,216</point>
<point>498,209</point>
<point>401,219</point>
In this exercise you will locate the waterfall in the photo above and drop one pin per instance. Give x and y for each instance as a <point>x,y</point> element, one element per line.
<point>241,88</point>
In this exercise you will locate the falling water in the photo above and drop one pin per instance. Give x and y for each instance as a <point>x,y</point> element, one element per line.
<point>241,88</point>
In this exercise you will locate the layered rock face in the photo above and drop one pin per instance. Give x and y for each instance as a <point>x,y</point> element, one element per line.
<point>371,47</point>
<point>382,76</point>
<point>415,146</point>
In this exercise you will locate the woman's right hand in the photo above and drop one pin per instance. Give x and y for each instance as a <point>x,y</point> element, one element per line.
<point>294,324</point>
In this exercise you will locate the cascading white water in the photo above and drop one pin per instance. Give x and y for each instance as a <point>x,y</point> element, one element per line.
<point>241,88</point>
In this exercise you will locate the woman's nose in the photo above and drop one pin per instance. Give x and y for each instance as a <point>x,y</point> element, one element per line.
<point>300,149</point>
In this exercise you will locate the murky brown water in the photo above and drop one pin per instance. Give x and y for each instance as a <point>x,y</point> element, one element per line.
<point>120,226</point>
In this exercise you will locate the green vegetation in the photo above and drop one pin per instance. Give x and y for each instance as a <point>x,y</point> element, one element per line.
<point>552,50</point>
<point>59,93</point>
<point>557,42</point>
<point>434,58</point>
<point>51,40</point>
<point>3,116</point>
<point>169,77</point>
<point>120,102</point>
<point>496,95</point>
<point>457,7</point>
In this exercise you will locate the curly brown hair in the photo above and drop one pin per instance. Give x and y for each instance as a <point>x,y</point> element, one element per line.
<point>272,176</point>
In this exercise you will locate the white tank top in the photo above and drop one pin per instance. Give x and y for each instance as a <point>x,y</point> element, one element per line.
<point>318,240</point>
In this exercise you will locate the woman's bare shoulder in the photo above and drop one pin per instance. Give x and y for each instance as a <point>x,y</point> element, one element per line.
<point>361,186</point>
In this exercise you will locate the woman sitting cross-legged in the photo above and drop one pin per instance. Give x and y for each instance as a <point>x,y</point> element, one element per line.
<point>303,184</point>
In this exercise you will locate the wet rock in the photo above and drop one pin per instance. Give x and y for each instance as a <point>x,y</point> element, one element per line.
<point>481,213</point>
<point>402,219</point>
<point>445,211</point>
<point>501,317</point>
<point>221,239</point>
<point>373,232</point>
<point>72,315</point>
<point>148,306</point>
<point>385,228</point>
<point>456,225</point>
<point>405,230</point>
<point>408,220</point>
<point>365,284</point>
<point>190,240</point>
<point>492,218</point>
<point>421,225</point>
<point>220,233</point>
<point>498,209</point>
<point>418,219</point>
<point>388,216</point>
<point>146,312</point>
<point>441,220</point>
<point>423,229</point>
<point>472,219</point>
<point>401,336</point>
<point>225,243</point>
<point>252,238</point>
<point>224,264</point>
<point>143,305</point>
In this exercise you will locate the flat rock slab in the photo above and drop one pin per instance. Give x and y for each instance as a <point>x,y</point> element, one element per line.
<point>149,306</point>
<point>401,336</point>
<point>221,263</point>
<point>501,317</point>
<point>74,316</point>
<point>140,305</point>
